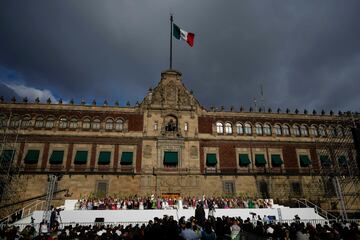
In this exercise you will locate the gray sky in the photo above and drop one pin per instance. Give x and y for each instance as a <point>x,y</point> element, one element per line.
<point>306,54</point>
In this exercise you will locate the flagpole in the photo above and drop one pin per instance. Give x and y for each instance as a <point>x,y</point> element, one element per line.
<point>171,29</point>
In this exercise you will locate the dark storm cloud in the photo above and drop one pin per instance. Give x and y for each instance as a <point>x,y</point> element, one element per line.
<point>305,54</point>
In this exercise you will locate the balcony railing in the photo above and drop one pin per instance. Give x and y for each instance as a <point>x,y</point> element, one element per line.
<point>77,169</point>
<point>260,171</point>
<point>175,170</point>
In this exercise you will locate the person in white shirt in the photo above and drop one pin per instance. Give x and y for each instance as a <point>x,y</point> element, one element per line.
<point>265,219</point>
<point>235,230</point>
<point>44,228</point>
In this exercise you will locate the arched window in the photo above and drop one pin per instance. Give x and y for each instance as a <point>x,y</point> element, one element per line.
<point>296,130</point>
<point>15,122</point>
<point>228,128</point>
<point>49,122</point>
<point>322,132</point>
<point>39,122</point>
<point>340,131</point>
<point>26,121</point>
<point>239,128</point>
<point>73,123</point>
<point>63,122</point>
<point>171,123</point>
<point>86,123</point>
<point>304,131</point>
<point>258,128</point>
<point>119,125</point>
<point>267,129</point>
<point>219,127</point>
<point>186,127</point>
<point>248,129</point>
<point>156,126</point>
<point>109,124</point>
<point>286,130</point>
<point>96,124</point>
<point>277,128</point>
<point>332,131</point>
<point>314,131</point>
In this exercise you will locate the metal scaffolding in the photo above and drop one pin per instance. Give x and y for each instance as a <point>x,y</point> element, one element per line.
<point>49,196</point>
<point>338,166</point>
<point>10,184</point>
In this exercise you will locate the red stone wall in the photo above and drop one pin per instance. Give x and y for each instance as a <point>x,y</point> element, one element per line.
<point>21,153</point>
<point>136,122</point>
<point>69,156</point>
<point>227,155</point>
<point>93,156</point>
<point>138,157</point>
<point>116,156</point>
<point>314,159</point>
<point>45,156</point>
<point>205,125</point>
<point>202,161</point>
<point>290,157</point>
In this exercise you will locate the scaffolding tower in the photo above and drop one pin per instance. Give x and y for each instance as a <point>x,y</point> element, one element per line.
<point>10,184</point>
<point>49,196</point>
<point>338,165</point>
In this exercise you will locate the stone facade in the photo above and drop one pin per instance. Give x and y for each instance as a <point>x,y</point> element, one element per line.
<point>170,120</point>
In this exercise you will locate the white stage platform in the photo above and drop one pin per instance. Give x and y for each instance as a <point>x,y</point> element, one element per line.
<point>140,216</point>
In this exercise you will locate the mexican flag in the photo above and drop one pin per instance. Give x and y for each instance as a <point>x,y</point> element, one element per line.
<point>184,35</point>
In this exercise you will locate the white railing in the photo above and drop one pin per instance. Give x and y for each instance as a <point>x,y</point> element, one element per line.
<point>34,206</point>
<point>26,211</point>
<point>317,209</point>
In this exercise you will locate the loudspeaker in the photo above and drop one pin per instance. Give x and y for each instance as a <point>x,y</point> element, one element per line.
<point>356,138</point>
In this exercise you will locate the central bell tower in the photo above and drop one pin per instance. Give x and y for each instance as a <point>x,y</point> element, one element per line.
<point>171,129</point>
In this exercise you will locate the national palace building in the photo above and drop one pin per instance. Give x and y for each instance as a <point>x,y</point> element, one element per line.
<point>170,144</point>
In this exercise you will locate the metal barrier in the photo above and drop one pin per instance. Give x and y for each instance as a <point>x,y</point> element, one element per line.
<point>64,224</point>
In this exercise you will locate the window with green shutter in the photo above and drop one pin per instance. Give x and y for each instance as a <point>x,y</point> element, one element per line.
<point>32,157</point>
<point>276,160</point>
<point>211,159</point>
<point>325,160</point>
<point>126,158</point>
<point>170,158</point>
<point>56,157</point>
<point>304,160</point>
<point>81,157</point>
<point>104,158</point>
<point>6,157</point>
<point>244,160</point>
<point>260,160</point>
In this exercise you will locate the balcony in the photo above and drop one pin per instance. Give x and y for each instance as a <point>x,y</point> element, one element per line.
<point>77,169</point>
<point>259,171</point>
<point>175,171</point>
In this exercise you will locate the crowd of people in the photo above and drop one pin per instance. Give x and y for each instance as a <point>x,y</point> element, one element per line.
<point>195,228</point>
<point>153,202</point>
